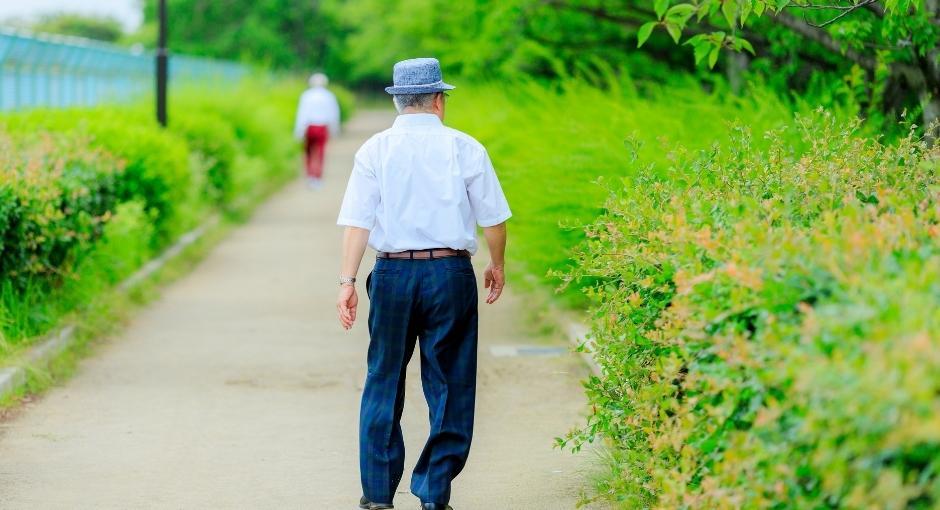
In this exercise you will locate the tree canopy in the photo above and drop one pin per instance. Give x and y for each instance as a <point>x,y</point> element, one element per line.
<point>93,27</point>
<point>879,55</point>
<point>893,41</point>
<point>281,34</point>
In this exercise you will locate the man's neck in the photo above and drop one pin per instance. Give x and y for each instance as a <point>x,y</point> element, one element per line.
<point>414,111</point>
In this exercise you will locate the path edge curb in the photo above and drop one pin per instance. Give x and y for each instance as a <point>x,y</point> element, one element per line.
<point>579,334</point>
<point>573,327</point>
<point>14,377</point>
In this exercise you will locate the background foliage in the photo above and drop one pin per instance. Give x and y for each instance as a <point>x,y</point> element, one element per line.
<point>101,29</point>
<point>281,34</point>
<point>879,56</point>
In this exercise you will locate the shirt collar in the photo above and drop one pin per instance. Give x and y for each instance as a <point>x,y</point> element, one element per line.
<point>417,119</point>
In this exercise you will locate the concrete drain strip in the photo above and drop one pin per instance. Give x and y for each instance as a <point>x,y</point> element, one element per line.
<point>14,377</point>
<point>510,351</point>
<point>577,335</point>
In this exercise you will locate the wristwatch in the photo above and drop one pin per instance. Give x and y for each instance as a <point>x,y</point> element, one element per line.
<point>343,280</point>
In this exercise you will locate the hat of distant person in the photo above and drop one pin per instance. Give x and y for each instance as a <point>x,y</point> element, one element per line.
<point>417,76</point>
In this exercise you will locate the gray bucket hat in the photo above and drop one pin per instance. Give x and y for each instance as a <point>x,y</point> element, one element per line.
<point>417,76</point>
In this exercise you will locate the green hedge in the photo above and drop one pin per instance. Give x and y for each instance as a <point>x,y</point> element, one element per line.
<point>767,324</point>
<point>55,195</point>
<point>214,142</point>
<point>65,175</point>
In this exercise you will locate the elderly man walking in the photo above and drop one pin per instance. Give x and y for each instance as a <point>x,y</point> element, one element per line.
<point>317,119</point>
<point>416,194</point>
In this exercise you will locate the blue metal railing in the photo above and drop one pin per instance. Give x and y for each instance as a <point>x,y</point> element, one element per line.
<point>61,71</point>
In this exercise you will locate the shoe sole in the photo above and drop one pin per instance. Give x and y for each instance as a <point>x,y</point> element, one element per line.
<point>369,507</point>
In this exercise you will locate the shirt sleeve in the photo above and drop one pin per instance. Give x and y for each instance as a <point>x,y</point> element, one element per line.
<point>362,195</point>
<point>334,115</point>
<point>300,122</point>
<point>486,195</point>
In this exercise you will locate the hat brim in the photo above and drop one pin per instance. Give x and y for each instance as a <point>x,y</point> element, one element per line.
<point>419,89</point>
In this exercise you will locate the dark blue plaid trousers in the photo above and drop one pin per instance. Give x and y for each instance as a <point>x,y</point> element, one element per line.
<point>435,302</point>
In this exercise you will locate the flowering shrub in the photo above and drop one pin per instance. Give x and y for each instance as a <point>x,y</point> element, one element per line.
<point>767,327</point>
<point>55,195</point>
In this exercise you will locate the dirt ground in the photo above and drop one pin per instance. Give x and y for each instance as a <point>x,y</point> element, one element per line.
<point>239,389</point>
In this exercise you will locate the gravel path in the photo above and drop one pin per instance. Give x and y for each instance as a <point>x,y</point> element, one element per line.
<point>239,389</point>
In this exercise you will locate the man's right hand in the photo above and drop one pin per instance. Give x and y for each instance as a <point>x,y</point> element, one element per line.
<point>346,305</point>
<point>494,279</point>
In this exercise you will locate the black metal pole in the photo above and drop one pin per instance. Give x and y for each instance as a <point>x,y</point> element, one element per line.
<point>162,57</point>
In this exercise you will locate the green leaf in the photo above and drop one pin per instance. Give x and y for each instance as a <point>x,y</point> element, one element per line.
<point>660,7</point>
<point>745,11</point>
<point>781,4</point>
<point>714,7</point>
<point>701,51</point>
<point>674,31</point>
<point>759,7</point>
<point>681,13</point>
<point>730,9</point>
<point>703,9</point>
<point>713,56</point>
<point>644,33</point>
<point>746,45</point>
<point>866,199</point>
<point>695,40</point>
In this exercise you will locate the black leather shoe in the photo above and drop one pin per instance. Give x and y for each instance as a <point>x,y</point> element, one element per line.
<point>365,504</point>
<point>435,506</point>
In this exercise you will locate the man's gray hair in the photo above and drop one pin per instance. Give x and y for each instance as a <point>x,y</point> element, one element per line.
<point>419,101</point>
<point>318,80</point>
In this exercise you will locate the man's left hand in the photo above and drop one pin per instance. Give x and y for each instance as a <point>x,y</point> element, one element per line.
<point>346,305</point>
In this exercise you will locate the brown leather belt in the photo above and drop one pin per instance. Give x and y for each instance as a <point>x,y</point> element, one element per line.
<point>436,253</point>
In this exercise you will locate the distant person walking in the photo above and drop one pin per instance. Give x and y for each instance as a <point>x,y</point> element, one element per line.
<point>416,194</point>
<point>317,119</point>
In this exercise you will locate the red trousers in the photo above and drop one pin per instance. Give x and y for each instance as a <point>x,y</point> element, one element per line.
<point>315,146</point>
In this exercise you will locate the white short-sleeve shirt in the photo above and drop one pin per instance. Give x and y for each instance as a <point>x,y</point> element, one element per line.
<point>421,185</point>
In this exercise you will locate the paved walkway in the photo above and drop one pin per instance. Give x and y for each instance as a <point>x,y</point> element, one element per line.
<point>239,389</point>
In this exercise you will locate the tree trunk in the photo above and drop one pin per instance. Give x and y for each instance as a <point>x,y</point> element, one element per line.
<point>931,116</point>
<point>915,80</point>
<point>735,67</point>
<point>930,94</point>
